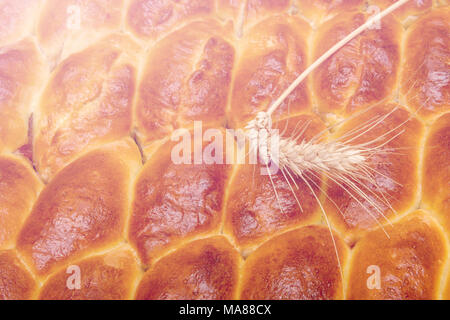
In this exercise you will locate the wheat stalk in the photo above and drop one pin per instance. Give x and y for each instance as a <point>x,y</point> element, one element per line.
<point>331,157</point>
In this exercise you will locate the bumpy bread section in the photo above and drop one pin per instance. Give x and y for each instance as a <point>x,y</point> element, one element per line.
<point>303,264</point>
<point>110,276</point>
<point>425,83</point>
<point>406,264</point>
<point>206,269</point>
<point>363,72</point>
<point>177,201</point>
<point>83,209</point>
<point>87,103</point>
<point>272,54</point>
<point>187,77</point>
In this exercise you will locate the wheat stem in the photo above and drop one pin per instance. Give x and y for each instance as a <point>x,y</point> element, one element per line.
<point>332,51</point>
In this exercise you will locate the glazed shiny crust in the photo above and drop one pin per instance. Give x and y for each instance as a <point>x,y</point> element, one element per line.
<point>91,92</point>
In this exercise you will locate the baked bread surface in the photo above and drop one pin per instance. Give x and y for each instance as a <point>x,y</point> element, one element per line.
<point>91,93</point>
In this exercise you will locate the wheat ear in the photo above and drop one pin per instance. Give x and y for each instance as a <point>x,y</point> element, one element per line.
<point>296,158</point>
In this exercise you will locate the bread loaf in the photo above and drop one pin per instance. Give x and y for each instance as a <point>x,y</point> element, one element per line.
<point>117,179</point>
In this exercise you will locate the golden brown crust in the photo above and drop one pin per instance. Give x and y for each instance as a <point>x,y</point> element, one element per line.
<point>395,170</point>
<point>175,202</point>
<point>92,92</point>
<point>298,265</point>
<point>436,169</point>
<point>106,277</point>
<point>410,261</point>
<point>190,82</point>
<point>363,72</point>
<point>19,188</point>
<point>16,283</point>
<point>87,103</point>
<point>82,209</point>
<point>425,84</point>
<point>274,52</point>
<point>253,209</point>
<point>206,269</point>
<point>22,71</point>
